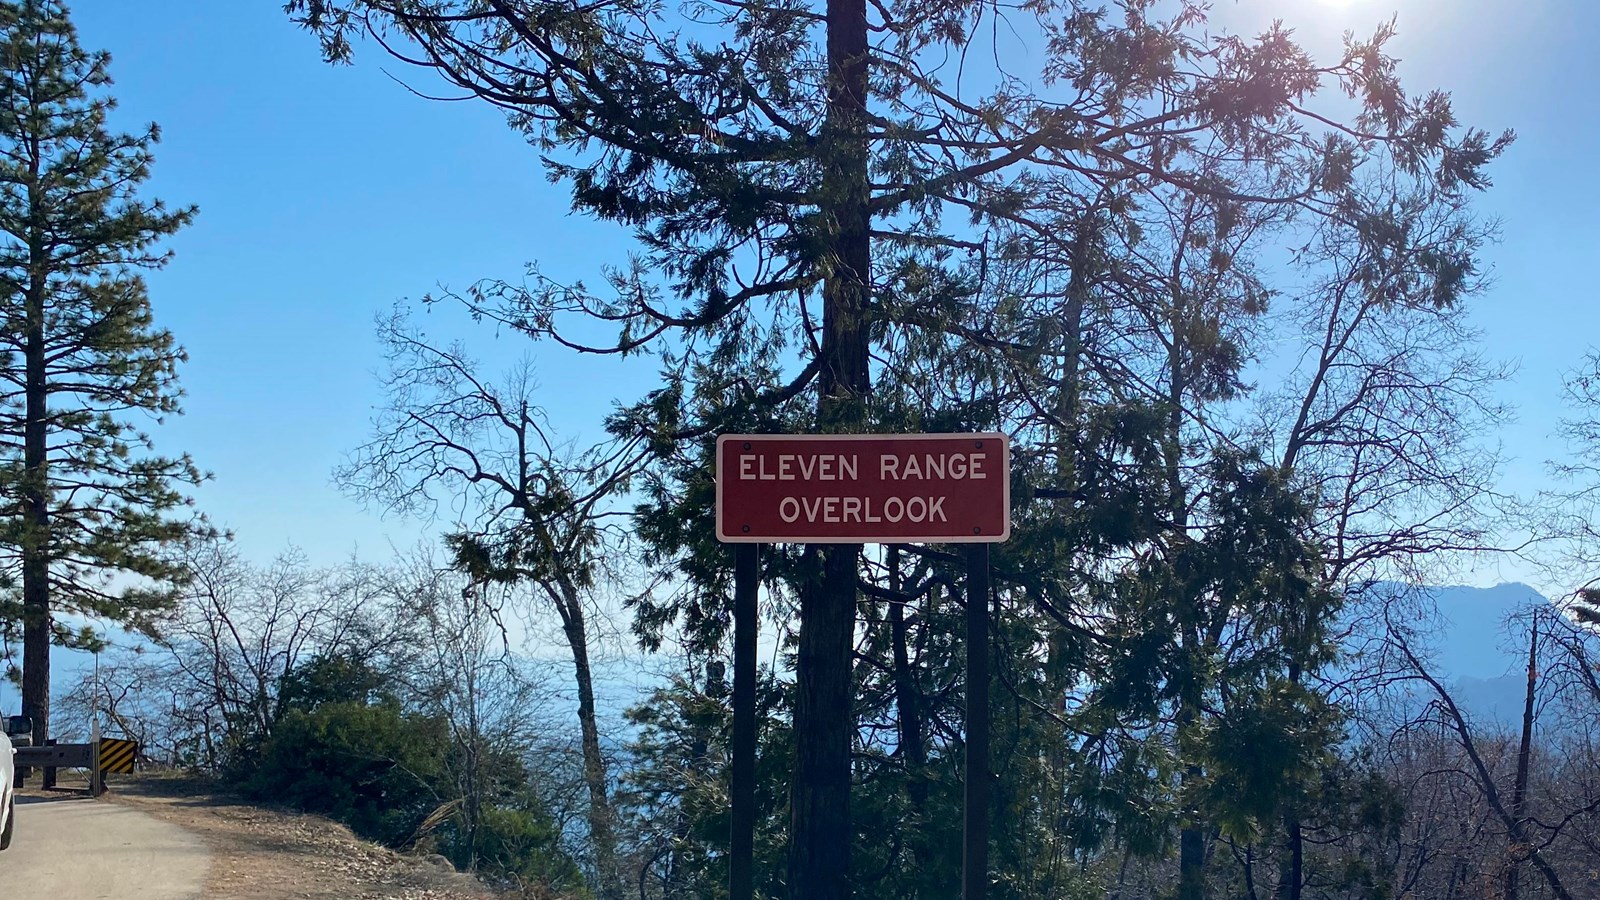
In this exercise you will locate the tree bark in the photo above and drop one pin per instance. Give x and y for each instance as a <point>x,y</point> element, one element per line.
<point>824,719</point>
<point>602,833</point>
<point>474,787</point>
<point>1519,791</point>
<point>843,371</point>
<point>1292,879</point>
<point>908,698</point>
<point>819,852</point>
<point>1291,876</point>
<point>1191,857</point>
<point>36,620</point>
<point>1069,422</point>
<point>1191,837</point>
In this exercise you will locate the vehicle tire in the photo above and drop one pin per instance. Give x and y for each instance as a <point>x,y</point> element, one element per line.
<point>11,822</point>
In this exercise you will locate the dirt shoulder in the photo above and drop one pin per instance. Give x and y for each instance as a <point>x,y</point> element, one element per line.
<point>267,854</point>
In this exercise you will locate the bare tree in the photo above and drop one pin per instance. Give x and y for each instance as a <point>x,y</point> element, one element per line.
<point>464,672</point>
<point>1540,829</point>
<point>533,512</point>
<point>239,630</point>
<point>1382,413</point>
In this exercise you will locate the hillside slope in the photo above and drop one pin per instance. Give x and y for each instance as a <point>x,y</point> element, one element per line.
<point>268,854</point>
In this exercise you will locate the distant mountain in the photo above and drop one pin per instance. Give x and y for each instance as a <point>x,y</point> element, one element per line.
<point>1474,643</point>
<point>1493,700</point>
<point>1478,654</point>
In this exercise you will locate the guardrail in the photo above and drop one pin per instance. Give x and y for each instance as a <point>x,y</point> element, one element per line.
<point>55,756</point>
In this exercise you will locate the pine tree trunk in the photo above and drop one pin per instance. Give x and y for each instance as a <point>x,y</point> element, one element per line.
<point>36,623</point>
<point>1191,858</point>
<point>602,833</point>
<point>1069,402</point>
<point>1191,838</point>
<point>1291,880</point>
<point>1069,422</point>
<point>908,699</point>
<point>909,707</point>
<point>819,851</point>
<point>824,717</point>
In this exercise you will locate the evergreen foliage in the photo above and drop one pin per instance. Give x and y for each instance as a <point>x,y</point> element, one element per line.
<point>89,509</point>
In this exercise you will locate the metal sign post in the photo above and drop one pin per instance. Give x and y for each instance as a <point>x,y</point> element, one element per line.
<point>862,489</point>
<point>741,863</point>
<point>97,778</point>
<point>975,803</point>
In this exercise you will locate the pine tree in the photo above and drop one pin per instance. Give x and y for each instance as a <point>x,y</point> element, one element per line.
<point>87,505</point>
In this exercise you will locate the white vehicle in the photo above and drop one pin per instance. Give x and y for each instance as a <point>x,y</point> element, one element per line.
<point>8,789</point>
<point>18,732</point>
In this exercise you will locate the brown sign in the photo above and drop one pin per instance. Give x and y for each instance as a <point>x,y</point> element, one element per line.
<point>863,488</point>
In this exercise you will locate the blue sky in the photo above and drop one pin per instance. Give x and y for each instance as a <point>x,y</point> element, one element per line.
<point>327,194</point>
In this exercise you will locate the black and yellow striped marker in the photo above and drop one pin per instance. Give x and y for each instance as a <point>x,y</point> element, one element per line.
<point>116,755</point>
